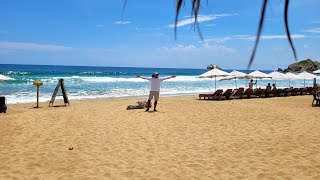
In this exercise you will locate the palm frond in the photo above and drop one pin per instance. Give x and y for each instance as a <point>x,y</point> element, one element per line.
<point>123,8</point>
<point>286,8</point>
<point>263,11</point>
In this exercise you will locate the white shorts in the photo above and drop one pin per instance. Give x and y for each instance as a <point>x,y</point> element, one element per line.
<point>154,94</point>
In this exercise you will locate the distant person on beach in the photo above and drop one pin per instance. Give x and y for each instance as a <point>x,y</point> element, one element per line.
<point>274,86</point>
<point>268,88</point>
<point>251,83</point>
<point>155,88</point>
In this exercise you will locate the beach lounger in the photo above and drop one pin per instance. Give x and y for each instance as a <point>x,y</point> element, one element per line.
<point>239,93</point>
<point>247,93</point>
<point>232,95</point>
<point>279,93</point>
<point>294,91</point>
<point>262,93</point>
<point>300,91</point>
<point>255,93</point>
<point>309,90</point>
<point>210,96</point>
<point>286,92</point>
<point>225,94</point>
<point>270,93</point>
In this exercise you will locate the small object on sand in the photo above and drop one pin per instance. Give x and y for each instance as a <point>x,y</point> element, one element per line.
<point>70,148</point>
<point>138,105</point>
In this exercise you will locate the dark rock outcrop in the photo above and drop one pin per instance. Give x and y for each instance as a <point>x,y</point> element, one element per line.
<point>305,65</point>
<point>212,66</point>
<point>280,70</point>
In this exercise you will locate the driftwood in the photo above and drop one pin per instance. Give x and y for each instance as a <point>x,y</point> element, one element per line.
<point>137,105</point>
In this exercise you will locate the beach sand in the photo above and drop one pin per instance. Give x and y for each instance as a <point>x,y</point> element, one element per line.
<point>276,138</point>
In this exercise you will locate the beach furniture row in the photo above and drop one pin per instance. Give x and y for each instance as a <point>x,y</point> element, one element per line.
<point>248,93</point>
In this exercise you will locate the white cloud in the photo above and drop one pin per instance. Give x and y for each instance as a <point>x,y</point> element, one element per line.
<point>252,38</point>
<point>218,49</point>
<point>201,18</point>
<point>122,22</point>
<point>32,46</point>
<point>314,30</point>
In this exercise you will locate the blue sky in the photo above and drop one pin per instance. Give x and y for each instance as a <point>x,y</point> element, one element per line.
<point>92,32</point>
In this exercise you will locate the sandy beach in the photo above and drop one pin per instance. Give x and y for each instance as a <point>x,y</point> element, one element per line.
<point>276,138</point>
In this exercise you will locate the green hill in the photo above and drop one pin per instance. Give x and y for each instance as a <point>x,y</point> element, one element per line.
<point>305,65</point>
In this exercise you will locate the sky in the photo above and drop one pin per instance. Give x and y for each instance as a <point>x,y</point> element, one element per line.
<point>100,33</point>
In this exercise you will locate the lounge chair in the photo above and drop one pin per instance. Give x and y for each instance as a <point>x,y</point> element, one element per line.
<point>309,90</point>
<point>211,96</point>
<point>239,93</point>
<point>226,94</point>
<point>255,93</point>
<point>279,93</point>
<point>232,95</point>
<point>261,93</point>
<point>294,91</point>
<point>301,91</point>
<point>270,93</point>
<point>286,92</point>
<point>247,93</point>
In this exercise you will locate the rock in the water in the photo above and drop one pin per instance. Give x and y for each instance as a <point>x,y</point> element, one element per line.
<point>305,65</point>
<point>280,70</point>
<point>212,66</point>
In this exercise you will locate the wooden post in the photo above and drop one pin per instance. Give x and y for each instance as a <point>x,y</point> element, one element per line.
<point>38,84</point>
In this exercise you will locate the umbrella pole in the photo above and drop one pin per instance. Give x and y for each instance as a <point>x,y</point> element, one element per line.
<point>289,83</point>
<point>256,83</point>
<point>215,83</point>
<point>235,80</point>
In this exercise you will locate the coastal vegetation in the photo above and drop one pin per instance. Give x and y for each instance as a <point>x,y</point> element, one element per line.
<point>305,65</point>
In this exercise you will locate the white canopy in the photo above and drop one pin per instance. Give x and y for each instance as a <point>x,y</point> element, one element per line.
<point>277,75</point>
<point>292,76</point>
<point>306,75</point>
<point>214,73</point>
<point>4,78</point>
<point>259,75</point>
<point>317,71</point>
<point>237,73</point>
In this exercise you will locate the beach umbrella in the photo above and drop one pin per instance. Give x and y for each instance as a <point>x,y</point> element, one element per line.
<point>258,75</point>
<point>235,75</point>
<point>317,71</point>
<point>277,76</point>
<point>5,78</point>
<point>305,75</point>
<point>214,73</point>
<point>291,76</point>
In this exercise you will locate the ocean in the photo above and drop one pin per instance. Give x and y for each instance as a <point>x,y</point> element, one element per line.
<point>91,82</point>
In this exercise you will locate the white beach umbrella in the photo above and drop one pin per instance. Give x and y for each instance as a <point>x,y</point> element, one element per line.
<point>5,78</point>
<point>305,75</point>
<point>291,76</point>
<point>235,75</point>
<point>317,71</point>
<point>277,76</point>
<point>214,73</point>
<point>258,75</point>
